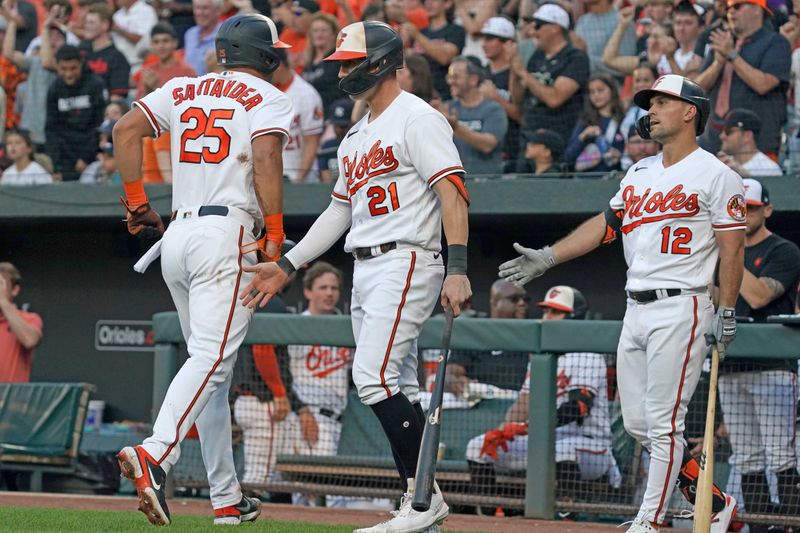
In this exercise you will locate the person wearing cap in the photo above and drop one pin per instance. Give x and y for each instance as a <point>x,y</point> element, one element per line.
<point>583,428</point>
<point>596,26</point>
<point>739,150</point>
<point>748,66</point>
<point>296,33</point>
<point>758,396</point>
<point>479,124</point>
<point>499,38</point>
<point>199,39</point>
<point>544,150</point>
<point>637,148</point>
<point>340,119</point>
<point>550,89</point>
<point>679,214</point>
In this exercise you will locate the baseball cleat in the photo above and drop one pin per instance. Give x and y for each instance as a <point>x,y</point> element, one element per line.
<point>149,479</point>
<point>407,520</point>
<point>246,510</point>
<point>641,526</point>
<point>721,520</point>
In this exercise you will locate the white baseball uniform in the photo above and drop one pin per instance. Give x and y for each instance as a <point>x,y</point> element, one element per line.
<point>588,444</point>
<point>387,168</point>
<point>308,119</point>
<point>213,120</point>
<point>670,217</point>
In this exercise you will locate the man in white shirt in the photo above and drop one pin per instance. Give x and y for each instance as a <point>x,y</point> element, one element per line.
<point>739,150</point>
<point>131,28</point>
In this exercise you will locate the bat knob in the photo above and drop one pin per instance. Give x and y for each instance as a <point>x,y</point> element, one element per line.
<point>710,339</point>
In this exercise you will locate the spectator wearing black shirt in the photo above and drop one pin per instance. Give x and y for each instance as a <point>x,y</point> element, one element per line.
<point>544,150</point>
<point>499,45</point>
<point>323,75</point>
<point>748,66</point>
<point>550,89</point>
<point>75,103</point>
<point>100,54</point>
<point>759,396</point>
<point>440,42</point>
<point>340,118</point>
<point>26,21</point>
<point>505,370</point>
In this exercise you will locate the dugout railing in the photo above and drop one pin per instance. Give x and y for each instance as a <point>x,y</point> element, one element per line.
<point>542,339</point>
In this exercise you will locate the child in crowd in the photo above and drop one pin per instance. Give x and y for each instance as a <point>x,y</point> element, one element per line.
<point>24,170</point>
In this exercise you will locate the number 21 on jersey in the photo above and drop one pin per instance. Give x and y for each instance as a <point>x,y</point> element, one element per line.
<point>377,199</point>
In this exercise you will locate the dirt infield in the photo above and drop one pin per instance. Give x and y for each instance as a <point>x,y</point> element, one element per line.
<point>290,513</point>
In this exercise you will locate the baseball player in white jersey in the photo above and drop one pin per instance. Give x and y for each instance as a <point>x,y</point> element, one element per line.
<point>300,155</point>
<point>583,432</point>
<point>228,130</point>
<point>678,212</point>
<point>400,180</point>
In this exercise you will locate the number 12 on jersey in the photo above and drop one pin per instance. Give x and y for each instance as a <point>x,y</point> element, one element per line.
<point>377,197</point>
<point>678,238</point>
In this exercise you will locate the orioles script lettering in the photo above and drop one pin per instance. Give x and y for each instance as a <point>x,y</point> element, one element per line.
<point>376,162</point>
<point>657,206</point>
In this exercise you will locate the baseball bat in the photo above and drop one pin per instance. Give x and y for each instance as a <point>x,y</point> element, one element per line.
<point>428,450</point>
<point>705,481</point>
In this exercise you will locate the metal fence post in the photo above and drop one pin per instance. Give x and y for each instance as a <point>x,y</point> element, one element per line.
<point>541,475</point>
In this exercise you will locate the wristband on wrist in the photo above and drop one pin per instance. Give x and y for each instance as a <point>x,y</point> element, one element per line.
<point>134,192</point>
<point>286,265</point>
<point>457,259</point>
<point>274,227</point>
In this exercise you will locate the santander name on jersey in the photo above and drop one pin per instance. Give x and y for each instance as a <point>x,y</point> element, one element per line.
<point>387,169</point>
<point>670,216</point>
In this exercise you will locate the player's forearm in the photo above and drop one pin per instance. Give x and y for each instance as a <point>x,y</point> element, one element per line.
<point>325,231</point>
<point>518,412</point>
<point>731,266</point>
<point>129,159</point>
<point>28,336</point>
<point>582,240</point>
<point>268,174</point>
<point>454,213</point>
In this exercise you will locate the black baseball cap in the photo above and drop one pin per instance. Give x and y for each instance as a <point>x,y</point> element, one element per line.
<point>341,111</point>
<point>309,5</point>
<point>744,119</point>
<point>552,140</point>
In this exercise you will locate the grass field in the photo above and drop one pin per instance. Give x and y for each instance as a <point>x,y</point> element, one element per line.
<point>63,520</point>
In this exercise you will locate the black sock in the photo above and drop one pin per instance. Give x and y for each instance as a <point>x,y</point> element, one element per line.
<point>789,491</point>
<point>687,483</point>
<point>402,427</point>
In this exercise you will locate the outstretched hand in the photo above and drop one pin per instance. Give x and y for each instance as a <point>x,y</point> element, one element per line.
<point>269,279</point>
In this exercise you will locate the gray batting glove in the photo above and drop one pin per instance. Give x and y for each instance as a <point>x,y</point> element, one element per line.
<point>530,265</point>
<point>723,330</point>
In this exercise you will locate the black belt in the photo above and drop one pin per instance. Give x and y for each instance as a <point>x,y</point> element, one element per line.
<point>206,210</point>
<point>366,253</point>
<point>330,413</point>
<point>644,297</point>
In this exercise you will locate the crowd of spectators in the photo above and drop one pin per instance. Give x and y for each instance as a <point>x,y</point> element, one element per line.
<point>530,87</point>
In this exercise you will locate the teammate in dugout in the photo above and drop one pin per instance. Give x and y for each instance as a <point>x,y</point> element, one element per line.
<point>400,179</point>
<point>678,213</point>
<point>583,432</point>
<point>228,130</point>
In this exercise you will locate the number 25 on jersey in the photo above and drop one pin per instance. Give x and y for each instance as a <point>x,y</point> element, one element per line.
<point>205,125</point>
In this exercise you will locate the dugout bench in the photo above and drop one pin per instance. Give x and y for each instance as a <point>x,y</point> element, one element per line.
<point>542,339</point>
<point>41,425</point>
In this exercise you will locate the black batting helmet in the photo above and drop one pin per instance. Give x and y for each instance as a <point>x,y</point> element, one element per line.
<point>374,41</point>
<point>677,87</point>
<point>249,41</point>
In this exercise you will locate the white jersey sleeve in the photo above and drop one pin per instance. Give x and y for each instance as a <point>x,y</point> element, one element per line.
<point>727,203</point>
<point>272,119</point>
<point>429,142</point>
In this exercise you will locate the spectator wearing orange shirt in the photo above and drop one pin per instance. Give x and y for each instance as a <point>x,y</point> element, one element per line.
<point>168,65</point>
<point>296,34</point>
<point>20,331</point>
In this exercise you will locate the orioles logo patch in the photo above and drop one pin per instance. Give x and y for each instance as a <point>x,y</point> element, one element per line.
<point>340,40</point>
<point>737,208</point>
